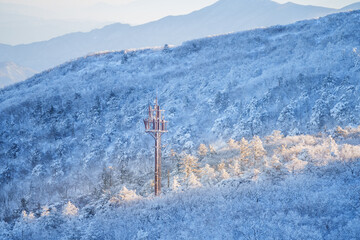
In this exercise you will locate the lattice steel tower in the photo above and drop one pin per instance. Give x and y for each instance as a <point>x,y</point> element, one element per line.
<point>156,125</point>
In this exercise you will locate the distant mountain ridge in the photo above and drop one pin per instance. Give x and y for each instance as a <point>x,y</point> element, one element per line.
<point>222,17</point>
<point>11,73</point>
<point>353,6</point>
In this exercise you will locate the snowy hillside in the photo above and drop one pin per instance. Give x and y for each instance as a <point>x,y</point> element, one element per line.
<point>304,191</point>
<point>63,130</point>
<point>11,73</point>
<point>222,17</point>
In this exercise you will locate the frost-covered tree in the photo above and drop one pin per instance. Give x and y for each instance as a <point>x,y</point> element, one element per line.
<point>295,164</point>
<point>189,164</point>
<point>192,181</point>
<point>255,174</point>
<point>175,186</point>
<point>27,216</point>
<point>332,147</point>
<point>125,195</point>
<point>202,150</point>
<point>340,132</point>
<point>275,168</point>
<point>232,144</point>
<point>275,137</point>
<point>212,149</point>
<point>221,166</point>
<point>287,119</point>
<point>224,174</point>
<point>258,151</point>
<point>245,152</point>
<point>208,174</point>
<point>107,177</point>
<point>349,152</point>
<point>70,209</point>
<point>235,169</point>
<point>175,159</point>
<point>45,211</point>
<point>320,115</point>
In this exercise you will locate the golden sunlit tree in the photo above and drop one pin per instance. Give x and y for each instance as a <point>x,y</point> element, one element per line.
<point>202,150</point>
<point>70,209</point>
<point>125,195</point>
<point>258,151</point>
<point>189,164</point>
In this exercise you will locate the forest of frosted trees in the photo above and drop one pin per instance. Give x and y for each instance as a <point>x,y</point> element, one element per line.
<point>264,188</point>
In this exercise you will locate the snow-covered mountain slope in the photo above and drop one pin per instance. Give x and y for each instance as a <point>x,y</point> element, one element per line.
<point>223,17</point>
<point>11,73</point>
<point>71,121</point>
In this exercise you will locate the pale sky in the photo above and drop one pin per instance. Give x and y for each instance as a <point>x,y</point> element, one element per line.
<point>129,11</point>
<point>22,21</point>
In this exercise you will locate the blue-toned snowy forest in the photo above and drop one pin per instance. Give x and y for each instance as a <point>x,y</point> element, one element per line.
<point>263,140</point>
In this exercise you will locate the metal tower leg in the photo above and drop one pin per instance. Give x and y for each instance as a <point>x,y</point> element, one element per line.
<point>157,164</point>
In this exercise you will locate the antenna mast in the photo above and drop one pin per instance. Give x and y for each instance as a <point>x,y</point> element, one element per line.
<point>156,125</point>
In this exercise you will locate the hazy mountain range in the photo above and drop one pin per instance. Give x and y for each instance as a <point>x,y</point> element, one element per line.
<point>25,24</point>
<point>222,17</point>
<point>11,73</point>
